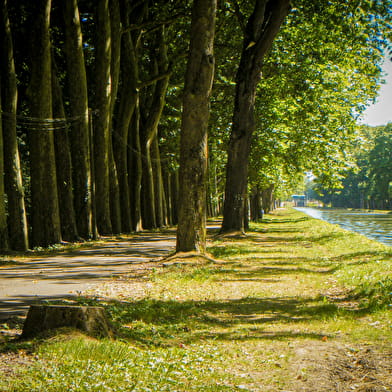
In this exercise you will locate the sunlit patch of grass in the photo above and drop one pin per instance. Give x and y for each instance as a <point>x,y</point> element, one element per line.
<point>81,364</point>
<point>371,282</point>
<point>229,325</point>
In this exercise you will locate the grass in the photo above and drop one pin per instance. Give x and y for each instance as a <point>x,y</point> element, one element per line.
<point>291,282</point>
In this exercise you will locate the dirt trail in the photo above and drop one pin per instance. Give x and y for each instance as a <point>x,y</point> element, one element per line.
<point>67,273</point>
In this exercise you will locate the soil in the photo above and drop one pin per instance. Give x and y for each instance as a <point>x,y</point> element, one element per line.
<point>338,367</point>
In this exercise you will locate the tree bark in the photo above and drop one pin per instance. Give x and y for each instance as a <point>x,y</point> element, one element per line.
<point>191,231</point>
<point>128,96</point>
<point>103,85</point>
<point>44,318</point>
<point>158,183</point>
<point>3,215</point>
<point>261,29</point>
<point>115,206</point>
<point>169,196</point>
<point>148,191</point>
<point>115,27</point>
<point>175,186</point>
<point>80,134</point>
<point>44,198</point>
<point>149,131</point>
<point>63,165</point>
<point>267,197</point>
<point>17,222</point>
<point>256,213</point>
<point>135,170</point>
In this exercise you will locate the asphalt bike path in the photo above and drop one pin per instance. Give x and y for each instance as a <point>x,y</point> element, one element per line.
<point>68,273</point>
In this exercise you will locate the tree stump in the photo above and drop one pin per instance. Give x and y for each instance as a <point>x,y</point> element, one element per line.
<point>90,319</point>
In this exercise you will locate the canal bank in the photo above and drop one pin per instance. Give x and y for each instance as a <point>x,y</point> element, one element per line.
<point>374,225</point>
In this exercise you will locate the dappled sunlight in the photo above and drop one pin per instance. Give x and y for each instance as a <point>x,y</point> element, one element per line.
<point>270,305</point>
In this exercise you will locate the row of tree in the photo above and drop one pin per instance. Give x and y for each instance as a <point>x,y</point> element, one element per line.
<point>94,95</point>
<point>367,183</point>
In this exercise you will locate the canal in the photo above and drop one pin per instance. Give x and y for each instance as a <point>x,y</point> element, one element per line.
<point>376,226</point>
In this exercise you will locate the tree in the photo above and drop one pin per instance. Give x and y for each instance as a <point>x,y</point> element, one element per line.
<point>367,182</point>
<point>128,96</point>
<point>151,112</point>
<point>380,173</point>
<point>191,231</point>
<point>320,71</point>
<point>3,216</point>
<point>78,106</point>
<point>63,164</point>
<point>103,96</point>
<point>114,186</point>
<point>259,33</point>
<point>314,86</point>
<point>45,212</point>
<point>17,222</point>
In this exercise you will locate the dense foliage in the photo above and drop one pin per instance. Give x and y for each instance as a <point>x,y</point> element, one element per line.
<point>368,182</point>
<point>91,102</point>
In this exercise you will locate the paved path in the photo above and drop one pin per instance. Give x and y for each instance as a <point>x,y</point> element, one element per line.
<point>67,273</point>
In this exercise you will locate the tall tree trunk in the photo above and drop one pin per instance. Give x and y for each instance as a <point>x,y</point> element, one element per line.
<point>3,216</point>
<point>115,26</point>
<point>45,215</point>
<point>191,231</point>
<point>127,102</point>
<point>169,196</point>
<point>149,131</point>
<point>80,133</point>
<point>256,213</point>
<point>175,186</point>
<point>213,197</point>
<point>135,170</point>
<point>148,191</point>
<point>17,222</point>
<point>158,183</point>
<point>261,29</point>
<point>63,165</point>
<point>115,207</point>
<point>103,85</point>
<point>246,212</point>
<point>267,197</point>
<point>164,199</point>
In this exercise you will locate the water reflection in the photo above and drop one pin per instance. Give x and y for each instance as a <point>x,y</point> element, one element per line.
<point>375,226</point>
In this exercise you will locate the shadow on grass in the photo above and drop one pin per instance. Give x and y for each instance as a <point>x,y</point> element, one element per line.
<point>264,245</point>
<point>267,239</point>
<point>278,220</point>
<point>155,323</point>
<point>264,273</point>
<point>165,323</point>
<point>317,239</point>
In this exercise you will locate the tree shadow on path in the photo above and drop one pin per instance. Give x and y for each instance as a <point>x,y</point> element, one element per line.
<point>34,277</point>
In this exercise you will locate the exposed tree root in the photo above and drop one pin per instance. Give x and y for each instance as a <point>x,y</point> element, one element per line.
<point>231,234</point>
<point>178,258</point>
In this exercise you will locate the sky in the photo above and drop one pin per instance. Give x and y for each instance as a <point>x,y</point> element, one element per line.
<point>380,113</point>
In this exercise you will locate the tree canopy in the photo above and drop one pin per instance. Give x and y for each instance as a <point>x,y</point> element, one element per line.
<point>91,123</point>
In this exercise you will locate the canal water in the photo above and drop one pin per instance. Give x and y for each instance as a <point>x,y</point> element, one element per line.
<point>373,225</point>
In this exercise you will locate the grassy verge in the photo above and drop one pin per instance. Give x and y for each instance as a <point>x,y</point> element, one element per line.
<point>292,283</point>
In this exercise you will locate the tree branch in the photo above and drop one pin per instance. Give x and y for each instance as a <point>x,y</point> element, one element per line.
<point>151,26</point>
<point>239,15</point>
<point>153,80</point>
